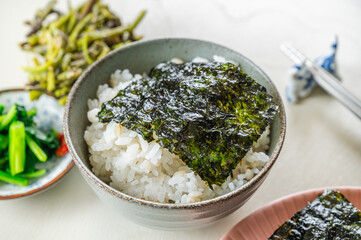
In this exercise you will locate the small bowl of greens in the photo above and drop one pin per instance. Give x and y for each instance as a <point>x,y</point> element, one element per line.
<point>33,154</point>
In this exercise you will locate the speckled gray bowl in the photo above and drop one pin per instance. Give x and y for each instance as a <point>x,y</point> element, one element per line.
<point>140,57</point>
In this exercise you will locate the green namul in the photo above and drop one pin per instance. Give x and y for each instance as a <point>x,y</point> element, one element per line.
<point>208,114</point>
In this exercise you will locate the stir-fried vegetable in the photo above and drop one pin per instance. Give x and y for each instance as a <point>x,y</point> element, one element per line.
<point>66,46</point>
<point>22,145</point>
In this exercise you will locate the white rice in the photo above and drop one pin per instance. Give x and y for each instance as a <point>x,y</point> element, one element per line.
<point>128,163</point>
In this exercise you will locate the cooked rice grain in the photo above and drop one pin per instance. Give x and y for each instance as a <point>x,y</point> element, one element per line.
<point>128,163</point>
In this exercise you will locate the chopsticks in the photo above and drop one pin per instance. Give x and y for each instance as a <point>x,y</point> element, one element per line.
<point>324,79</point>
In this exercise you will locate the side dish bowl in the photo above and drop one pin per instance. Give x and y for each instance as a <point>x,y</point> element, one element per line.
<point>140,57</point>
<point>49,116</point>
<point>262,223</point>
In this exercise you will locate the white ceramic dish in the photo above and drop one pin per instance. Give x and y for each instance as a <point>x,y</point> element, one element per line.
<point>49,115</point>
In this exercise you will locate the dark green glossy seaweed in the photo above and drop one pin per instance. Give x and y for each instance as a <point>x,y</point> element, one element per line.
<point>330,216</point>
<point>209,114</point>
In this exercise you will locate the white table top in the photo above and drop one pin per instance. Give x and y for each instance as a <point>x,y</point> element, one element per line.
<point>322,146</point>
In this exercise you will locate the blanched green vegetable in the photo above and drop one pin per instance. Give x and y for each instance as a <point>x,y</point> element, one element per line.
<point>49,141</point>
<point>209,114</point>
<point>25,116</point>
<point>4,142</point>
<point>3,160</point>
<point>6,177</point>
<point>23,145</point>
<point>34,174</point>
<point>17,147</point>
<point>36,149</point>
<point>8,117</point>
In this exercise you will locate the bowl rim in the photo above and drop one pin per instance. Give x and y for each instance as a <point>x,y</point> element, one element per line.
<point>99,183</point>
<point>48,184</point>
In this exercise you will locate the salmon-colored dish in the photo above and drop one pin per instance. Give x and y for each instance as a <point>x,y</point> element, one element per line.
<point>261,224</point>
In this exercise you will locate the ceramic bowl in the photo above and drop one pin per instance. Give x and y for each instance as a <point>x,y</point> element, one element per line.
<point>140,57</point>
<point>49,116</point>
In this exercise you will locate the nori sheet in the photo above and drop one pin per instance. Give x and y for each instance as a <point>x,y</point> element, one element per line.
<point>329,216</point>
<point>209,114</point>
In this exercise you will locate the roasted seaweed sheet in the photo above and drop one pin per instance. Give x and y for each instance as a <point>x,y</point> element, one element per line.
<point>330,216</point>
<point>209,114</point>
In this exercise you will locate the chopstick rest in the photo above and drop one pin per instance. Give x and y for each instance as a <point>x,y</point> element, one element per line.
<point>301,81</point>
<point>324,79</point>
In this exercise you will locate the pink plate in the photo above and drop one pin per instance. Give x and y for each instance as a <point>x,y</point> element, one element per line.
<point>261,224</point>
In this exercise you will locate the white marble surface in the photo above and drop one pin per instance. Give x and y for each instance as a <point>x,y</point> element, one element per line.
<point>323,139</point>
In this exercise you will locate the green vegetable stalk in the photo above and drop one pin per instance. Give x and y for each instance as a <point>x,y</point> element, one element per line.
<point>17,147</point>
<point>34,174</point>
<point>36,149</point>
<point>8,117</point>
<point>6,177</point>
